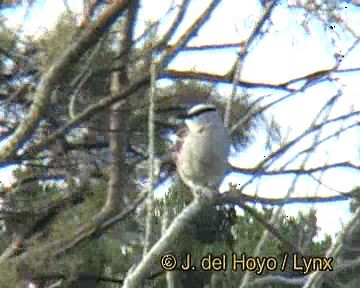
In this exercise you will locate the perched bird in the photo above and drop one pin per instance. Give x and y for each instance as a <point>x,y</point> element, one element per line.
<point>201,159</point>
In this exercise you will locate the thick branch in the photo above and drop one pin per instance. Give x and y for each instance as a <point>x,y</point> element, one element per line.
<point>135,277</point>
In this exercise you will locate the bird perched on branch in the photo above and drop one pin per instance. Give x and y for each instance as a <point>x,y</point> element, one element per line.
<point>201,161</point>
<point>201,158</point>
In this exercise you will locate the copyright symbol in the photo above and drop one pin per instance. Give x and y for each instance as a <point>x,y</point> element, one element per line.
<point>168,262</point>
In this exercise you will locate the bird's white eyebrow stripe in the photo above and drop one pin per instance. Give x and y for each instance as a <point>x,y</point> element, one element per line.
<point>199,112</point>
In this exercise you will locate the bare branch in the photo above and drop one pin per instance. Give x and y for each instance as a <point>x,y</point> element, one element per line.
<point>300,171</point>
<point>235,197</point>
<point>312,129</point>
<point>275,232</point>
<point>145,79</point>
<point>178,19</point>
<point>88,113</point>
<point>149,228</point>
<point>135,277</point>
<point>83,76</point>
<point>205,76</point>
<point>188,34</point>
<point>53,74</point>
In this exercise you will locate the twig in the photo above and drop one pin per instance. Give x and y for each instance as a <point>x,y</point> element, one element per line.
<point>149,227</point>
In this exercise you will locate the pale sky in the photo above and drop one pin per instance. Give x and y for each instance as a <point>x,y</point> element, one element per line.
<point>288,51</point>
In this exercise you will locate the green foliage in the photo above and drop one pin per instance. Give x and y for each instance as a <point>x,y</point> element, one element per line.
<point>249,231</point>
<point>57,40</point>
<point>71,218</point>
<point>297,230</point>
<point>9,277</point>
<point>355,201</point>
<point>53,44</point>
<point>7,44</point>
<point>7,40</point>
<point>92,255</point>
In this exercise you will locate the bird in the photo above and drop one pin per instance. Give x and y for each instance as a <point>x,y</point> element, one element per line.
<point>201,157</point>
<point>201,162</point>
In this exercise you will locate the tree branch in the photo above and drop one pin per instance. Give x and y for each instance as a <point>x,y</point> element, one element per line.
<point>54,73</point>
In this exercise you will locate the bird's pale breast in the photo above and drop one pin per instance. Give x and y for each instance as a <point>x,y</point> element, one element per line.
<point>204,156</point>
